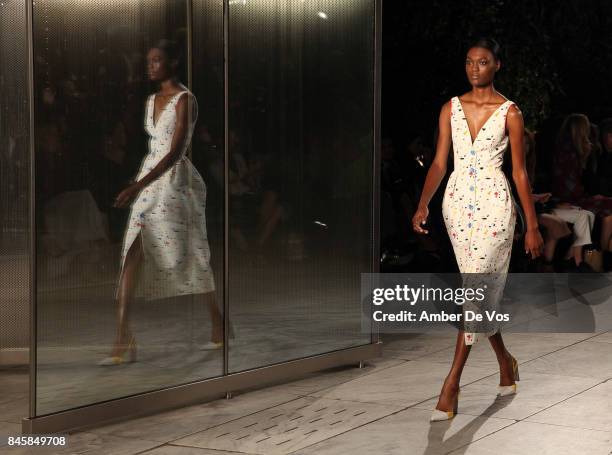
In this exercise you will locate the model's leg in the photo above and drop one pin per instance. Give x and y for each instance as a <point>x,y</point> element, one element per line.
<point>216,318</point>
<point>127,285</point>
<point>450,388</point>
<point>504,358</point>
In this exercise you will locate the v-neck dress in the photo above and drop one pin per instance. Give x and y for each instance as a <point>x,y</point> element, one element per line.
<point>478,208</point>
<point>169,215</point>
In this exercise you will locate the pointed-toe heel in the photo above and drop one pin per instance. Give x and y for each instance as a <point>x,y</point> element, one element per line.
<point>210,346</point>
<point>128,356</point>
<point>505,390</point>
<point>515,369</point>
<point>438,416</point>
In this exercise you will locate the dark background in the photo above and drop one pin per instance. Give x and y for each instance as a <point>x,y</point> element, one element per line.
<point>556,59</point>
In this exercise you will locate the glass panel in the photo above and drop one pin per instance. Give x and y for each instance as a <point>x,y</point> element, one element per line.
<point>113,281</point>
<point>14,211</point>
<point>301,163</point>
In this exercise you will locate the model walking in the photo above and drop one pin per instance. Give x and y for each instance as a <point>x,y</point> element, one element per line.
<point>477,205</point>
<point>166,233</point>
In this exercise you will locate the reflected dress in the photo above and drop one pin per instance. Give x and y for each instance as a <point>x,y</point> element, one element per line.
<point>169,215</point>
<point>478,208</point>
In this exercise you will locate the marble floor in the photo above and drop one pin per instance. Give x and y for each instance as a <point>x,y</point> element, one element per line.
<point>563,407</point>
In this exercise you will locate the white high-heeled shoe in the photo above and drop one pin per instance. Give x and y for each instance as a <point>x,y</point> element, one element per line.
<point>210,346</point>
<point>128,356</point>
<point>438,415</point>
<point>505,390</point>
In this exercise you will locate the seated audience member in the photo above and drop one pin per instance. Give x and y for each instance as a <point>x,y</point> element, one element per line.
<point>571,156</point>
<point>554,219</point>
<point>604,164</point>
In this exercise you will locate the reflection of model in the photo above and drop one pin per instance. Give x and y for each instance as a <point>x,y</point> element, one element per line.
<point>477,205</point>
<point>166,233</point>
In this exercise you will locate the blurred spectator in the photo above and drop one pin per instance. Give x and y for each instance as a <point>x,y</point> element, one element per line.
<point>572,153</point>
<point>554,228</point>
<point>604,168</point>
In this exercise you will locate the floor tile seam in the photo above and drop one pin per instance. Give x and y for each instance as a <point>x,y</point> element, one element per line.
<point>195,447</point>
<point>608,432</point>
<point>525,361</point>
<point>526,417</point>
<point>548,353</point>
<point>546,373</point>
<point>565,399</point>
<point>354,379</point>
<point>600,342</point>
<point>169,442</point>
<point>593,335</point>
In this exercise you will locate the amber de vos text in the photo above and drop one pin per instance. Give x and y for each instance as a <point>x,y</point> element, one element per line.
<point>411,296</point>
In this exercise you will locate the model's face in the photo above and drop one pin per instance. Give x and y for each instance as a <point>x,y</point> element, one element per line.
<point>480,66</point>
<point>159,67</point>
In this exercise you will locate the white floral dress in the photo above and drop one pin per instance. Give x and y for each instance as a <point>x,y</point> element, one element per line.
<point>169,215</point>
<point>478,208</point>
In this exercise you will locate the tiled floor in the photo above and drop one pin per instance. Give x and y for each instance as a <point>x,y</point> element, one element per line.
<point>563,407</point>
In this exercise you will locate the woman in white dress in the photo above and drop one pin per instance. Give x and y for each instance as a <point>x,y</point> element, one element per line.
<point>477,207</point>
<point>165,249</point>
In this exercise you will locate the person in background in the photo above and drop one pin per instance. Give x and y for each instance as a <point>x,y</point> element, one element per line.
<point>604,168</point>
<point>554,228</point>
<point>571,156</point>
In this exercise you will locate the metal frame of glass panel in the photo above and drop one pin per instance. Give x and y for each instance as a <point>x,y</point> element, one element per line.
<point>198,391</point>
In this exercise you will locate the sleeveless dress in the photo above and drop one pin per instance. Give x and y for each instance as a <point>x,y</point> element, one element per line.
<point>478,208</point>
<point>169,215</point>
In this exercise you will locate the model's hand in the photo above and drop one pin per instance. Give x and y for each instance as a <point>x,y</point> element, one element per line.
<point>127,196</point>
<point>534,243</point>
<point>419,218</point>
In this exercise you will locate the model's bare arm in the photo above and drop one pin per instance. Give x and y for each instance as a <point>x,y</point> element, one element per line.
<point>516,132</point>
<point>436,171</point>
<point>183,107</point>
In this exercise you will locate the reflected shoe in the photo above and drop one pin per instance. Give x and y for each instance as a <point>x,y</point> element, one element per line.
<point>505,390</point>
<point>210,346</point>
<point>438,415</point>
<point>128,356</point>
